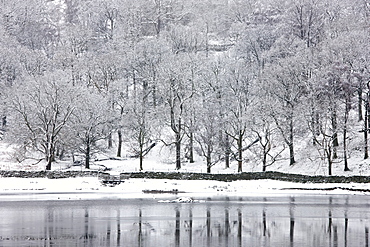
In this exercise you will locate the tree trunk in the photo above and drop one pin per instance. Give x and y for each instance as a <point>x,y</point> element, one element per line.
<point>110,140</point>
<point>50,154</point>
<point>240,152</point>
<point>335,134</point>
<point>313,124</point>
<point>330,165</point>
<point>209,159</point>
<point>227,152</point>
<point>48,166</point>
<point>208,166</point>
<point>264,160</point>
<point>141,158</point>
<point>87,155</point>
<point>227,160</point>
<point>191,148</point>
<point>291,154</point>
<point>366,129</point>
<point>290,144</point>
<point>119,150</point>
<point>178,145</point>
<point>359,105</point>
<point>346,113</point>
<point>346,168</point>
<point>178,151</point>
<point>328,152</point>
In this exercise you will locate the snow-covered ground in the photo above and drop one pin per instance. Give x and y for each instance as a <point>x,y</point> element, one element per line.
<point>159,160</point>
<point>91,188</point>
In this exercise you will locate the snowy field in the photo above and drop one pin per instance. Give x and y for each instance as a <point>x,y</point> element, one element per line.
<point>91,188</point>
<point>157,160</point>
<point>162,159</point>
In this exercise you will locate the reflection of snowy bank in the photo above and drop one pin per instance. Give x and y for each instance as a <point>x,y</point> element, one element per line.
<point>91,188</point>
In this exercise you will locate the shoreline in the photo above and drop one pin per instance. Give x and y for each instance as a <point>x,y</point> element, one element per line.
<point>91,188</point>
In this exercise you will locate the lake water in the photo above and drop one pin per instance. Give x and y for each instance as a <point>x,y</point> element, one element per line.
<point>302,220</point>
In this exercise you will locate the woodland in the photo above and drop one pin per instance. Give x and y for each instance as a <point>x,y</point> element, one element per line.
<point>228,80</point>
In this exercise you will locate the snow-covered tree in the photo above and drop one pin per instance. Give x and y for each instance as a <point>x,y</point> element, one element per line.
<point>176,91</point>
<point>89,123</point>
<point>42,107</point>
<point>286,85</point>
<point>241,97</point>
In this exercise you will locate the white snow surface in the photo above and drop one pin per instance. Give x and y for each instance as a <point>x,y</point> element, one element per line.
<point>159,159</point>
<point>91,188</point>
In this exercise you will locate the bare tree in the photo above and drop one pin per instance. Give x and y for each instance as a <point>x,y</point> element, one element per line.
<point>89,123</point>
<point>307,21</point>
<point>240,93</point>
<point>207,131</point>
<point>325,141</point>
<point>42,107</point>
<point>287,88</point>
<point>178,90</point>
<point>265,132</point>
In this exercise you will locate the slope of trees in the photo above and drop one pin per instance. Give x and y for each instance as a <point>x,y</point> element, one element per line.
<point>227,80</point>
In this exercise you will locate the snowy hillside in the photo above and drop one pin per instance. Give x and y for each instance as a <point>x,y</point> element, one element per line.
<point>189,86</point>
<point>161,159</point>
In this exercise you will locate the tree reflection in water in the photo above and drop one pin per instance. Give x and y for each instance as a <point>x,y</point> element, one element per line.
<point>118,219</point>
<point>275,221</point>
<point>292,221</point>
<point>177,228</point>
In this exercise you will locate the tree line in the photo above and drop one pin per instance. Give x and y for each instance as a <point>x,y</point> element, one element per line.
<point>228,80</point>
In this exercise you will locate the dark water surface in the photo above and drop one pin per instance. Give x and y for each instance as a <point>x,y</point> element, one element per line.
<point>219,221</point>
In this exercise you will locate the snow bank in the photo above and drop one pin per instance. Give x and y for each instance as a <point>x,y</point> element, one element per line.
<point>91,188</point>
